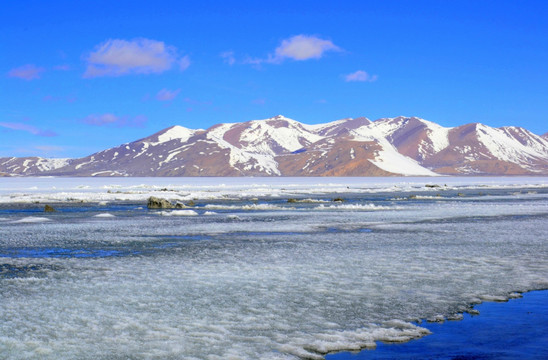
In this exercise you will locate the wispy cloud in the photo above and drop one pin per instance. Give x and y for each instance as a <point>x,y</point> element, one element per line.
<point>228,57</point>
<point>113,120</point>
<point>116,57</point>
<point>28,128</point>
<point>49,148</point>
<point>197,102</point>
<point>299,48</point>
<point>360,76</point>
<point>63,67</point>
<point>53,98</point>
<point>167,95</point>
<point>26,72</point>
<point>184,63</point>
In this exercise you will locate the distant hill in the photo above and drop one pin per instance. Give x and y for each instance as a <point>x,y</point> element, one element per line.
<point>279,146</point>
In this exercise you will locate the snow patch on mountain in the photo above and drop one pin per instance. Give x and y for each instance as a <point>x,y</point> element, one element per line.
<point>389,159</point>
<point>50,164</point>
<point>502,145</point>
<point>396,163</point>
<point>260,132</point>
<point>175,132</point>
<point>240,159</point>
<point>438,135</point>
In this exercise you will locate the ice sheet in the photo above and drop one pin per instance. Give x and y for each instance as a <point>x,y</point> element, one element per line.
<point>263,278</point>
<point>46,189</point>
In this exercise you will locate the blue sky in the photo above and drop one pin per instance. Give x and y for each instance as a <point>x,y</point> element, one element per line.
<point>81,76</point>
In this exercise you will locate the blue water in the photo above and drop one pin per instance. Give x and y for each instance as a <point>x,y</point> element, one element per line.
<point>517,329</point>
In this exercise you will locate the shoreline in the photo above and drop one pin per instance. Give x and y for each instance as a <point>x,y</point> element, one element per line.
<point>516,328</point>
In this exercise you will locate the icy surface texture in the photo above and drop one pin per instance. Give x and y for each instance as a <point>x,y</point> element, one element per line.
<point>255,275</point>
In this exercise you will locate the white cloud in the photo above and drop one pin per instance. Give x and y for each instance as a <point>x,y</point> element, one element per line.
<point>118,121</point>
<point>167,95</point>
<point>298,47</point>
<point>303,47</point>
<point>26,72</point>
<point>28,128</point>
<point>361,76</point>
<point>116,57</point>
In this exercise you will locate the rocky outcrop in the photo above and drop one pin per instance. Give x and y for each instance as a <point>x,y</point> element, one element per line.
<point>158,203</point>
<point>49,208</point>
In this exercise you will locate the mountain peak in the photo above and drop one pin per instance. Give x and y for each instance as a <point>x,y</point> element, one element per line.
<point>281,118</point>
<point>174,132</point>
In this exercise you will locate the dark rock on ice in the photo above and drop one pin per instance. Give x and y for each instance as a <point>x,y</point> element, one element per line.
<point>157,203</point>
<point>49,208</point>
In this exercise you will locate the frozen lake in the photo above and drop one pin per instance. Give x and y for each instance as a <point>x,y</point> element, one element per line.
<point>258,268</point>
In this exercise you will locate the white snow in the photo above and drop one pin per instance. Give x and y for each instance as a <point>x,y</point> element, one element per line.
<point>51,164</point>
<point>91,160</point>
<point>179,213</point>
<point>26,164</point>
<point>105,215</point>
<point>362,207</point>
<point>239,157</point>
<point>259,134</point>
<point>143,150</point>
<point>392,161</point>
<point>32,219</point>
<point>176,132</point>
<point>169,157</point>
<point>388,158</point>
<point>504,146</point>
<point>438,135</point>
<point>44,189</point>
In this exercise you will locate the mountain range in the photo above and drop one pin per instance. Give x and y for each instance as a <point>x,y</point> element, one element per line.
<point>280,146</point>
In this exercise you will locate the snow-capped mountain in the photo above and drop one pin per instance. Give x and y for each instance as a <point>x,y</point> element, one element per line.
<point>280,146</point>
<point>30,165</point>
<point>467,149</point>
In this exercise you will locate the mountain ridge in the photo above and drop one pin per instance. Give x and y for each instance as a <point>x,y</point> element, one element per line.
<point>280,146</point>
